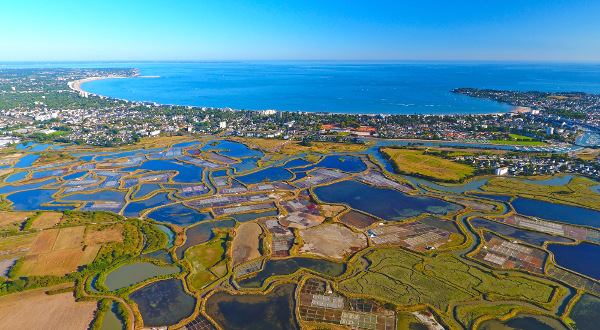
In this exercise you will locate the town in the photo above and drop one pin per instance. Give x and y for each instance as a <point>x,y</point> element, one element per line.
<point>47,105</point>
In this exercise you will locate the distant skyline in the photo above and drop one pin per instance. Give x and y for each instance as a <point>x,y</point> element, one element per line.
<point>195,30</point>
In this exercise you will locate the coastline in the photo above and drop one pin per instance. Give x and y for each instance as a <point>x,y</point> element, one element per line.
<point>76,84</point>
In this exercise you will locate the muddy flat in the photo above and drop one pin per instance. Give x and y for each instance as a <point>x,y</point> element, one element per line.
<point>332,241</point>
<point>245,244</point>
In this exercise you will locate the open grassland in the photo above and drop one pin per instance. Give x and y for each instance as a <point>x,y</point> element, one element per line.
<point>409,161</point>
<point>77,217</point>
<point>203,258</point>
<point>69,238</point>
<point>245,245</point>
<point>588,154</point>
<point>56,252</point>
<point>35,310</point>
<point>53,157</point>
<point>294,147</point>
<point>577,192</point>
<point>58,263</point>
<point>15,243</point>
<point>47,220</point>
<point>521,137</point>
<point>7,217</point>
<point>406,279</point>
<point>44,242</point>
<point>100,234</point>
<point>89,254</point>
<point>469,314</point>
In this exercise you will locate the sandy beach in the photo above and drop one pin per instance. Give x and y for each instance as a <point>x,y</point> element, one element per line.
<point>76,85</point>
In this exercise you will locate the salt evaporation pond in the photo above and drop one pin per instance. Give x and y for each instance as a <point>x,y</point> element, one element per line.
<point>179,214</point>
<point>32,200</point>
<point>291,265</point>
<point>232,149</point>
<point>188,173</point>
<point>145,190</point>
<point>130,274</point>
<point>557,212</point>
<point>244,217</point>
<point>133,209</point>
<point>247,164</point>
<point>270,174</point>
<point>385,203</point>
<point>524,321</point>
<point>16,177</point>
<point>163,303</point>
<point>11,189</point>
<point>104,196</point>
<point>274,310</point>
<point>349,164</point>
<point>457,189</point>
<point>531,237</point>
<point>26,161</point>
<point>585,312</point>
<point>201,233</point>
<point>581,258</point>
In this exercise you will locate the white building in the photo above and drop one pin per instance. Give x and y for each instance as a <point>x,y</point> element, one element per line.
<point>223,124</point>
<point>549,130</point>
<point>501,171</point>
<point>155,133</point>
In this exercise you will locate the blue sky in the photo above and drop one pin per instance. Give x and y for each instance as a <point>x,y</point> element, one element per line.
<point>61,30</point>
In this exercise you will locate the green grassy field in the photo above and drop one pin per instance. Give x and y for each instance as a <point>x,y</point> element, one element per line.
<point>469,314</point>
<point>202,258</point>
<point>577,192</point>
<point>528,141</point>
<point>522,137</point>
<point>406,279</point>
<point>416,161</point>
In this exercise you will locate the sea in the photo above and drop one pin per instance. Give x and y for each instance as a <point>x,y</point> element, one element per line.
<point>339,87</point>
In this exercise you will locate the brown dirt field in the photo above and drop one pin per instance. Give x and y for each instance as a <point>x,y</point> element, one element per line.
<point>57,263</point>
<point>69,238</point>
<point>49,312</point>
<point>95,237</point>
<point>47,220</point>
<point>331,241</point>
<point>6,171</point>
<point>44,242</point>
<point>245,243</point>
<point>10,217</point>
<point>89,254</point>
<point>331,210</point>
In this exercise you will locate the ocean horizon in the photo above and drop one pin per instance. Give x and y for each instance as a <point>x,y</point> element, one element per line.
<point>365,87</point>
